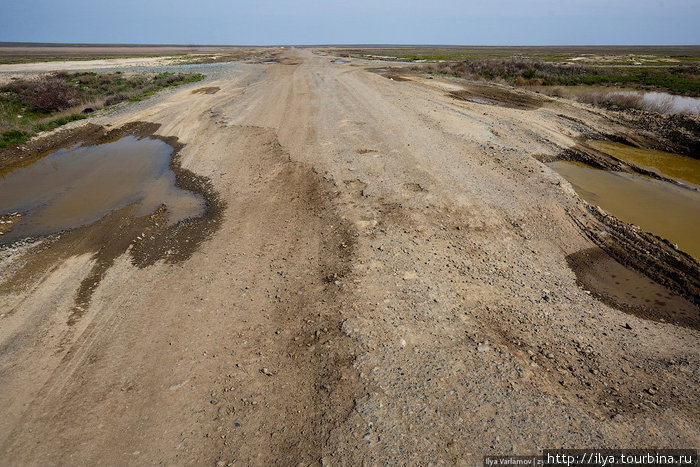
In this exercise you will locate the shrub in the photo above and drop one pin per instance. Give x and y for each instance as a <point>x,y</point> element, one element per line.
<point>46,94</point>
<point>630,100</point>
<point>557,92</point>
<point>53,94</point>
<point>116,99</point>
<point>681,79</point>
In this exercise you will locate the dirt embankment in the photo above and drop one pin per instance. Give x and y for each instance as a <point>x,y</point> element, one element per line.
<point>386,276</point>
<point>679,133</point>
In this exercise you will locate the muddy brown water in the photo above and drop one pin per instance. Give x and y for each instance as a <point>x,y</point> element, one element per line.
<point>78,186</point>
<point>682,168</point>
<point>662,208</point>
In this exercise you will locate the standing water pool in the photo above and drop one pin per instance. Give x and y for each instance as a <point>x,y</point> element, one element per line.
<point>77,186</point>
<point>657,206</point>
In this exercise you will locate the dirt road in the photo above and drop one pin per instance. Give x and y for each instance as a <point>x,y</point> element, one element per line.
<point>388,284</point>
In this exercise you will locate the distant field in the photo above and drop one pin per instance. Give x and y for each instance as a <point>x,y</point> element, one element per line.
<point>606,55</point>
<point>26,53</point>
<point>675,69</point>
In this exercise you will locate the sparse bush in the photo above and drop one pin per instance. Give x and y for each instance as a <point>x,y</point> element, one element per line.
<point>116,99</point>
<point>46,94</point>
<point>27,105</point>
<point>53,94</point>
<point>557,92</point>
<point>630,100</point>
<point>681,79</point>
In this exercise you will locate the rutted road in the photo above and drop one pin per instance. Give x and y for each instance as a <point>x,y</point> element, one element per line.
<point>388,284</point>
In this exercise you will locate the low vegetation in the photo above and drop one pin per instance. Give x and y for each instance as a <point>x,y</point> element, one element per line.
<point>679,79</point>
<point>28,106</point>
<point>674,69</point>
<point>590,55</point>
<point>628,100</point>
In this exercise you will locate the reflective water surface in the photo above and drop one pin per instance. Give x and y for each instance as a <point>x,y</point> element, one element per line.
<point>77,186</point>
<point>673,165</point>
<point>665,209</point>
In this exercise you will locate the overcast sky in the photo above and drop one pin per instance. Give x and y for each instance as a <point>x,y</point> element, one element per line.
<point>263,22</point>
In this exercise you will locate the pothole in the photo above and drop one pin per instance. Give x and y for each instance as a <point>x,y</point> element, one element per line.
<point>77,186</point>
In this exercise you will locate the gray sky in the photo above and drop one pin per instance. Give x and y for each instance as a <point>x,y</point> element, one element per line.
<point>468,22</point>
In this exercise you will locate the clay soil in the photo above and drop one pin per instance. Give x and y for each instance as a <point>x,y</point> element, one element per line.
<point>386,274</point>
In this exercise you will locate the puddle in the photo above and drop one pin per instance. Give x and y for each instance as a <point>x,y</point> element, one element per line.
<point>78,186</point>
<point>662,208</point>
<point>479,101</point>
<point>673,165</point>
<point>340,61</point>
<point>270,62</point>
<point>629,290</point>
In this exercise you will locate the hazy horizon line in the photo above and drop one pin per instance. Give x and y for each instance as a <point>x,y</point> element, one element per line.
<point>126,44</point>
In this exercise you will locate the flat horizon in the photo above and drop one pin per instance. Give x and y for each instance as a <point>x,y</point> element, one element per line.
<point>136,44</point>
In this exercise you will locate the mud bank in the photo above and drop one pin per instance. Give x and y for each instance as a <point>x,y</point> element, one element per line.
<point>648,254</point>
<point>679,134</point>
<point>587,154</point>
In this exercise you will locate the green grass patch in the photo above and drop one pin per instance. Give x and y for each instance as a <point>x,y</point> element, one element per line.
<point>53,124</point>
<point>14,137</point>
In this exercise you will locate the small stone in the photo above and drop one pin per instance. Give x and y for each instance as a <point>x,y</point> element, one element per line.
<point>483,348</point>
<point>266,372</point>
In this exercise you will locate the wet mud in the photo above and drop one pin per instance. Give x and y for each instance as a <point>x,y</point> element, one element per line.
<point>207,90</point>
<point>629,290</point>
<point>498,96</point>
<point>679,134</point>
<point>666,164</point>
<point>646,253</point>
<point>585,152</point>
